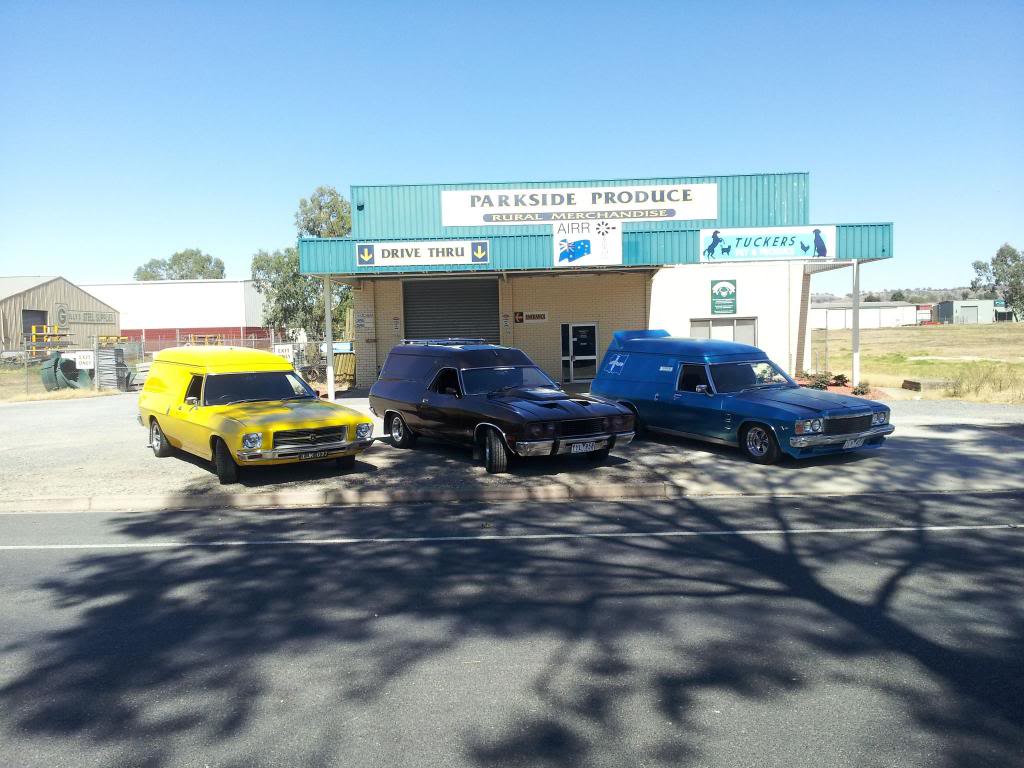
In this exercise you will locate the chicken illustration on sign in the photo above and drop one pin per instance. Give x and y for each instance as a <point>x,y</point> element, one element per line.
<point>586,244</point>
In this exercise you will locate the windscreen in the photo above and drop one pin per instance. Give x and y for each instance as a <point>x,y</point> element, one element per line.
<point>735,377</point>
<point>480,381</point>
<point>226,388</point>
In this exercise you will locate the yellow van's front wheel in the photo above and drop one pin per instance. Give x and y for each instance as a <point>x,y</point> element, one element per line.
<point>224,463</point>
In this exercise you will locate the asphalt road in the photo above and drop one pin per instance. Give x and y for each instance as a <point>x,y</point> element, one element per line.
<point>856,631</point>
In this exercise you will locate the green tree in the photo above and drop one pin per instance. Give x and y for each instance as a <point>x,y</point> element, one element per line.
<point>293,301</point>
<point>190,264</point>
<point>871,297</point>
<point>325,213</point>
<point>898,295</point>
<point>1002,277</point>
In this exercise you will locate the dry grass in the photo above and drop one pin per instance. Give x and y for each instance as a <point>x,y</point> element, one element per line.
<point>18,385</point>
<point>973,362</point>
<point>60,394</point>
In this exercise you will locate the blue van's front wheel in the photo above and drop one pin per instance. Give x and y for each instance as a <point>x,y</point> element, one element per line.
<point>759,444</point>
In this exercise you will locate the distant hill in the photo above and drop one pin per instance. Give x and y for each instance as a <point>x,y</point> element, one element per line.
<point>913,295</point>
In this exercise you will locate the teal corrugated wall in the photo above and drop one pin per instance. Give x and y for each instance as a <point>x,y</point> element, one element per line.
<point>516,252</point>
<point>413,212</point>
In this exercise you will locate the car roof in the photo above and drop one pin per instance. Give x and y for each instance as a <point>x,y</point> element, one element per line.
<point>467,355</point>
<point>217,359</point>
<point>697,350</point>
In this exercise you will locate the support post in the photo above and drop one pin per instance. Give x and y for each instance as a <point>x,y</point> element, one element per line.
<point>329,337</point>
<point>856,323</point>
<point>96,362</point>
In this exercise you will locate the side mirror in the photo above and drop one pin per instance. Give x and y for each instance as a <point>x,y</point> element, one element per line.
<point>704,389</point>
<point>192,402</point>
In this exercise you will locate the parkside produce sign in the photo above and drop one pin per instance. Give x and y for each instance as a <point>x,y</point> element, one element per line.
<point>646,202</point>
<point>425,252</point>
<point>768,243</point>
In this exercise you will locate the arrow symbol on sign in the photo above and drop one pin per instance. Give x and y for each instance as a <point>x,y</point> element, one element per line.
<point>479,253</point>
<point>366,255</point>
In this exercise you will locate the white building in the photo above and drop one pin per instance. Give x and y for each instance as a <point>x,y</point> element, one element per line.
<point>172,310</point>
<point>875,314</point>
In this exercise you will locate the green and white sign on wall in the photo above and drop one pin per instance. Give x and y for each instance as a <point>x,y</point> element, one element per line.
<point>723,297</point>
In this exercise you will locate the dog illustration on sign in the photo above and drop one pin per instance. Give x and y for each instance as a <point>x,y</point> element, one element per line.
<point>820,251</point>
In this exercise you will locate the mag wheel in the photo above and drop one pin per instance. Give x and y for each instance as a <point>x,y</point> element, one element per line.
<point>401,435</point>
<point>759,444</point>
<point>158,440</point>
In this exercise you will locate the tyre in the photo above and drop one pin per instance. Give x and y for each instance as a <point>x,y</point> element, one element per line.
<point>495,453</point>
<point>224,463</point>
<point>158,440</point>
<point>759,444</point>
<point>346,462</point>
<point>401,435</point>
<point>598,456</point>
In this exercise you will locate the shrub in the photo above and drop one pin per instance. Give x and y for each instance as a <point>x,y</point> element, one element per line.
<point>840,380</point>
<point>862,389</point>
<point>819,380</point>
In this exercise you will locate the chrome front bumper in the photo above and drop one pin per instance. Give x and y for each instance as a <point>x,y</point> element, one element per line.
<point>814,441</point>
<point>323,451</point>
<point>564,445</point>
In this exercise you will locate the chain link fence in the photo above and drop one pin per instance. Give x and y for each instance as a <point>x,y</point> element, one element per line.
<point>123,365</point>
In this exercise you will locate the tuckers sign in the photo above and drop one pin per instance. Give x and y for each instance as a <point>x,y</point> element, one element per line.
<point>425,252</point>
<point>768,243</point>
<point>645,202</point>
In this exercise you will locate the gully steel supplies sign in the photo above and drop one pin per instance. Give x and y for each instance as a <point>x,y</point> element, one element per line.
<point>643,202</point>
<point>426,252</point>
<point>768,243</point>
<point>587,244</point>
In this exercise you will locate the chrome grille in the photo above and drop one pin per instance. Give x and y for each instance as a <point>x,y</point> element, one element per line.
<point>574,427</point>
<point>847,425</point>
<point>303,438</point>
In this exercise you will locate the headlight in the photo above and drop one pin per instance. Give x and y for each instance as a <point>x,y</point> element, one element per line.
<point>622,423</point>
<point>540,429</point>
<point>880,418</point>
<point>252,440</point>
<point>363,431</point>
<point>808,426</point>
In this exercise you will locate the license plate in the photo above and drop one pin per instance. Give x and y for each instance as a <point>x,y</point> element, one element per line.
<point>584,447</point>
<point>313,455</point>
<point>854,443</point>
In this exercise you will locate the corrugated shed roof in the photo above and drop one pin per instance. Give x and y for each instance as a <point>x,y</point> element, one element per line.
<point>11,286</point>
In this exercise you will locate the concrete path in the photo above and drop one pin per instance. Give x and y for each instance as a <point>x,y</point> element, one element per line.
<point>92,454</point>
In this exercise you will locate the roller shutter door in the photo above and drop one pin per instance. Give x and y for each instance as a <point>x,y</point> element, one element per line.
<point>438,309</point>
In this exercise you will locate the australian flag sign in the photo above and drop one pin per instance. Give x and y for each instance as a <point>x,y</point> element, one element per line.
<point>571,250</point>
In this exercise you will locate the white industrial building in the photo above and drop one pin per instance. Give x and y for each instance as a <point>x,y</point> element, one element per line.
<point>180,310</point>
<point>875,314</point>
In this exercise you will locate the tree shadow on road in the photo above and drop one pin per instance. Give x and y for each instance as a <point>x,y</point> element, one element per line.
<point>627,644</point>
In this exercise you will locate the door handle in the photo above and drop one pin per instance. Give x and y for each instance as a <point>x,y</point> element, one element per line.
<point>424,401</point>
<point>657,396</point>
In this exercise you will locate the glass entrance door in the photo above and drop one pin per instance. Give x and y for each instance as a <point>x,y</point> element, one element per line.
<point>579,351</point>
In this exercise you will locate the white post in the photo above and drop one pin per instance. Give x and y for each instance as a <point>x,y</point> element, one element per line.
<point>856,323</point>
<point>329,338</point>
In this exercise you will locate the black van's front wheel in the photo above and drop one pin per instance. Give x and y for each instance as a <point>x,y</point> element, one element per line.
<point>401,435</point>
<point>495,453</point>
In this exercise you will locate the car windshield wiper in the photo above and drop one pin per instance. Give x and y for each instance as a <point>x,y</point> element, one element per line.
<point>248,400</point>
<point>298,397</point>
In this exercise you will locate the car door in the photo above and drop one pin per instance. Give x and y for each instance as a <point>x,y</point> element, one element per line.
<point>190,418</point>
<point>696,412</point>
<point>438,411</point>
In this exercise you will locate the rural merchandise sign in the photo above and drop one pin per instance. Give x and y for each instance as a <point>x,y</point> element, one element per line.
<point>420,253</point>
<point>814,242</point>
<point>641,202</point>
<point>723,297</point>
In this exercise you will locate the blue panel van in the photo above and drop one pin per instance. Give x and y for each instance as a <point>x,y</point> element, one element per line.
<point>732,394</point>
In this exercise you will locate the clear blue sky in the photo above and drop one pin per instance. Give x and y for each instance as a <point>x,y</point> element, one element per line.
<point>132,130</point>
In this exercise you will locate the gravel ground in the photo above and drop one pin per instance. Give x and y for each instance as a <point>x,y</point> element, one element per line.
<point>95,447</point>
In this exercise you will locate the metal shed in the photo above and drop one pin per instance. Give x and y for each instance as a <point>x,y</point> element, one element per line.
<point>52,301</point>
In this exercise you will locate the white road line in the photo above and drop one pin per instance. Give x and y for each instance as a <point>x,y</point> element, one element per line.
<point>503,537</point>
